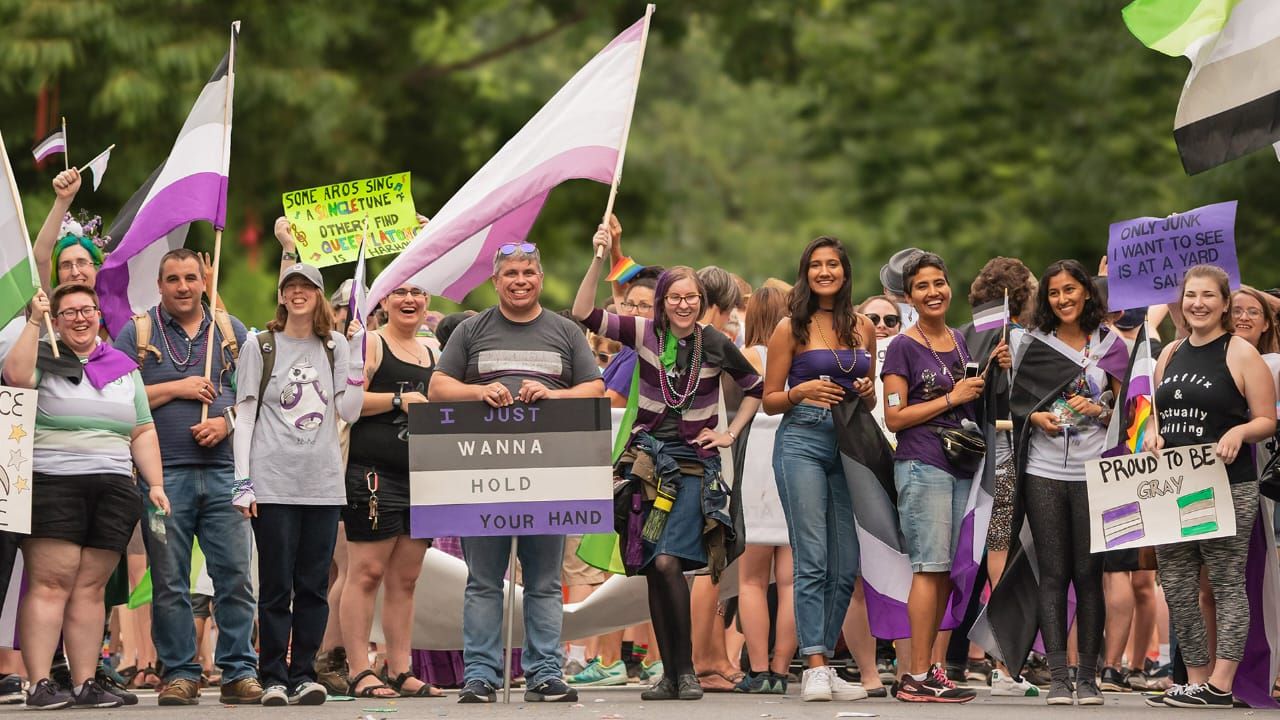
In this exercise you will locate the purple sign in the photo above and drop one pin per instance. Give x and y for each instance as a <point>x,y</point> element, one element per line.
<point>1147,257</point>
<point>540,469</point>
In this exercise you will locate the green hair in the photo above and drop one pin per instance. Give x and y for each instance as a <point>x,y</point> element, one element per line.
<point>95,253</point>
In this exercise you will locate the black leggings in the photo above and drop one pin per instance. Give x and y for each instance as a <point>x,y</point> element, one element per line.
<point>669,610</point>
<point>1058,511</point>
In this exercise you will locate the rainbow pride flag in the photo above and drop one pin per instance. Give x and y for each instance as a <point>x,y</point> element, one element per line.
<point>624,270</point>
<point>1134,406</point>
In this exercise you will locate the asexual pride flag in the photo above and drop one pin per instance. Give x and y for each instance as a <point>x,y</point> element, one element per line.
<point>539,469</point>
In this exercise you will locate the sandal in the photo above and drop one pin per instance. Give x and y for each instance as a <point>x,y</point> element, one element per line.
<point>426,691</point>
<point>732,680</point>
<point>369,691</point>
<point>145,679</point>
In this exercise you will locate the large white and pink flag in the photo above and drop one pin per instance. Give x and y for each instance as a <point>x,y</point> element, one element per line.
<point>579,134</point>
<point>190,185</point>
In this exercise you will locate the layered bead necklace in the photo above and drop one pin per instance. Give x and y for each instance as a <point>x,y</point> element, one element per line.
<point>194,354</point>
<point>680,400</point>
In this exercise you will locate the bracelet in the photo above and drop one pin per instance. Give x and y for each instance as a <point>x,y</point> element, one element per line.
<point>732,434</point>
<point>948,399</point>
<point>793,402</point>
<point>355,383</point>
<point>290,256</point>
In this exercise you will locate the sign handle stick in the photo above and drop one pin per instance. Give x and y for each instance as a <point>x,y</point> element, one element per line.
<point>53,339</point>
<point>511,623</point>
<point>626,130</point>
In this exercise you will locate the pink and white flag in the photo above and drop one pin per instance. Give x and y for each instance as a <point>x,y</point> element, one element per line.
<point>190,185</point>
<point>579,133</point>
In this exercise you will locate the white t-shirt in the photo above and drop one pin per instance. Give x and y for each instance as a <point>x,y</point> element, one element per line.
<point>1062,456</point>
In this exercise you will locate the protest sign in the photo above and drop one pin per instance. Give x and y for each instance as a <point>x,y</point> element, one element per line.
<point>1140,500</point>
<point>1147,256</point>
<point>539,469</point>
<point>327,221</point>
<point>17,426</point>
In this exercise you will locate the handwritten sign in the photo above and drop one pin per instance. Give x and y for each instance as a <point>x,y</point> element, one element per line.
<point>1147,257</point>
<point>538,469</point>
<point>1140,500</point>
<point>328,221</point>
<point>17,426</point>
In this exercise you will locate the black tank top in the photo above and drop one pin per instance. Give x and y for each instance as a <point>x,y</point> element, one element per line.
<point>376,439</point>
<point>1198,402</point>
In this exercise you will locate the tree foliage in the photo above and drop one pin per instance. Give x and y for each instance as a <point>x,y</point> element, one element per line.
<point>973,129</point>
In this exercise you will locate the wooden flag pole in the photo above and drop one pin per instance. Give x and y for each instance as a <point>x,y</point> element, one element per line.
<point>211,338</point>
<point>626,130</point>
<point>66,149</point>
<point>22,224</point>
<point>53,339</point>
<point>104,152</point>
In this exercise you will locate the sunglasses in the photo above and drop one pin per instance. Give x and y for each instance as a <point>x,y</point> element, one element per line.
<point>890,321</point>
<point>511,248</point>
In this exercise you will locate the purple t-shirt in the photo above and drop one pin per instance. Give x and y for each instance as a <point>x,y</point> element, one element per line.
<point>926,380</point>
<point>618,373</point>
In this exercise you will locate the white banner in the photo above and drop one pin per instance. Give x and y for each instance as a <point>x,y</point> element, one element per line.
<point>1141,500</point>
<point>17,427</point>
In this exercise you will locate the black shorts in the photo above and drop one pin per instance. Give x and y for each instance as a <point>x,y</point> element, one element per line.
<point>96,511</point>
<point>391,523</point>
<point>393,512</point>
<point>201,605</point>
<point>1125,560</point>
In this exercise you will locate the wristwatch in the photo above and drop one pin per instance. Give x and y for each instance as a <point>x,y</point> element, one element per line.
<point>396,401</point>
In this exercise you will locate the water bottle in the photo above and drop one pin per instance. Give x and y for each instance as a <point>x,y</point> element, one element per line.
<point>155,520</point>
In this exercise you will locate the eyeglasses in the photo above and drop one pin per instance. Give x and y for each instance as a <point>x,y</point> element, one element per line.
<point>87,312</point>
<point>890,321</point>
<point>642,307</point>
<point>677,300</point>
<point>1254,313</point>
<point>415,293</point>
<point>604,357</point>
<point>511,248</point>
<point>77,264</point>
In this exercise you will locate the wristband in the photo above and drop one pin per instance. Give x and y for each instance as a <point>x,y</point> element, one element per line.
<point>355,382</point>
<point>290,256</point>
<point>732,434</point>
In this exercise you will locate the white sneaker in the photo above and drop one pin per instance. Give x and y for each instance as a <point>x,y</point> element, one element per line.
<point>815,685</point>
<point>1003,685</point>
<point>275,696</point>
<point>842,689</point>
<point>308,693</point>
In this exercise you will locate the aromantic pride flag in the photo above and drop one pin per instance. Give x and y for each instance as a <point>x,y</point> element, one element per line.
<point>18,281</point>
<point>1230,104</point>
<point>579,133</point>
<point>190,185</point>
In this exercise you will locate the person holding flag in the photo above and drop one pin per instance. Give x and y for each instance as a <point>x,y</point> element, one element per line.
<point>1059,430</point>
<point>64,252</point>
<point>1212,387</point>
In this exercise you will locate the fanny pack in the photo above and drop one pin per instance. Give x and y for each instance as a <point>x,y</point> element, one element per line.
<point>963,448</point>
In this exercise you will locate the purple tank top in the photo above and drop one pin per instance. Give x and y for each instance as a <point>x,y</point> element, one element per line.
<point>810,364</point>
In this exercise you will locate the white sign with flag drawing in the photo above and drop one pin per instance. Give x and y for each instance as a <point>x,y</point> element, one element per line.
<point>1141,500</point>
<point>17,426</point>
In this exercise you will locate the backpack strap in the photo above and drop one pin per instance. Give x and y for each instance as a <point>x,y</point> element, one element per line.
<point>267,348</point>
<point>230,348</point>
<point>142,327</point>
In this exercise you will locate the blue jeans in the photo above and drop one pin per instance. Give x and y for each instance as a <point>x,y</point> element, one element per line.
<point>483,630</point>
<point>931,506</point>
<point>819,510</point>
<point>200,501</point>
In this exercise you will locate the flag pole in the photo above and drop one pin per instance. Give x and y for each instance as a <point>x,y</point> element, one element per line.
<point>22,224</point>
<point>66,150</point>
<point>626,130</point>
<point>217,231</point>
<point>104,152</point>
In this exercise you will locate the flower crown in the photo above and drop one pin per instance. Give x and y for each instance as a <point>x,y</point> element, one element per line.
<point>84,225</point>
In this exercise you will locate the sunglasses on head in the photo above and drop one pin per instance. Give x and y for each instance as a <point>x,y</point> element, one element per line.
<point>511,248</point>
<point>890,321</point>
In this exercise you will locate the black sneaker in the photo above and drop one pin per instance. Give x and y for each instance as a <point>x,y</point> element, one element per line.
<point>10,690</point>
<point>1036,671</point>
<point>60,672</point>
<point>1113,681</point>
<point>955,673</point>
<point>93,695</point>
<point>934,688</point>
<point>107,682</point>
<point>46,695</point>
<point>553,690</point>
<point>477,691</point>
<point>978,671</point>
<point>1199,696</point>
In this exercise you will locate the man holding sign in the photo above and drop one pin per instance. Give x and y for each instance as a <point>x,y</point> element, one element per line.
<point>516,351</point>
<point>1212,388</point>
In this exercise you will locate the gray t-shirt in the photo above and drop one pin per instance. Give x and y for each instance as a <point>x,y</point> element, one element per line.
<point>488,347</point>
<point>182,356</point>
<point>295,458</point>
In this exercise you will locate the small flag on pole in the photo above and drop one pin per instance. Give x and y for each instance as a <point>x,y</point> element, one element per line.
<point>18,281</point>
<point>55,143</point>
<point>98,166</point>
<point>624,270</point>
<point>992,315</point>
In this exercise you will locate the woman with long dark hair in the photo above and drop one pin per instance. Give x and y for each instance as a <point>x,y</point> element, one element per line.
<point>1211,387</point>
<point>824,352</point>
<point>674,449</point>
<point>927,392</point>
<point>1066,427</point>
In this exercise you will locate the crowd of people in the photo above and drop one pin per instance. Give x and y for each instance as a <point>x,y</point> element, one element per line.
<point>289,454</point>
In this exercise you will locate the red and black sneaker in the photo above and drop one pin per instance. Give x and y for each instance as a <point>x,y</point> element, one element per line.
<point>934,688</point>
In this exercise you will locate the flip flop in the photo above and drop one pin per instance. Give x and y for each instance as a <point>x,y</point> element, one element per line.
<point>708,674</point>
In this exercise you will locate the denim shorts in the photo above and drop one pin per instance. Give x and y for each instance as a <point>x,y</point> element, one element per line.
<point>931,505</point>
